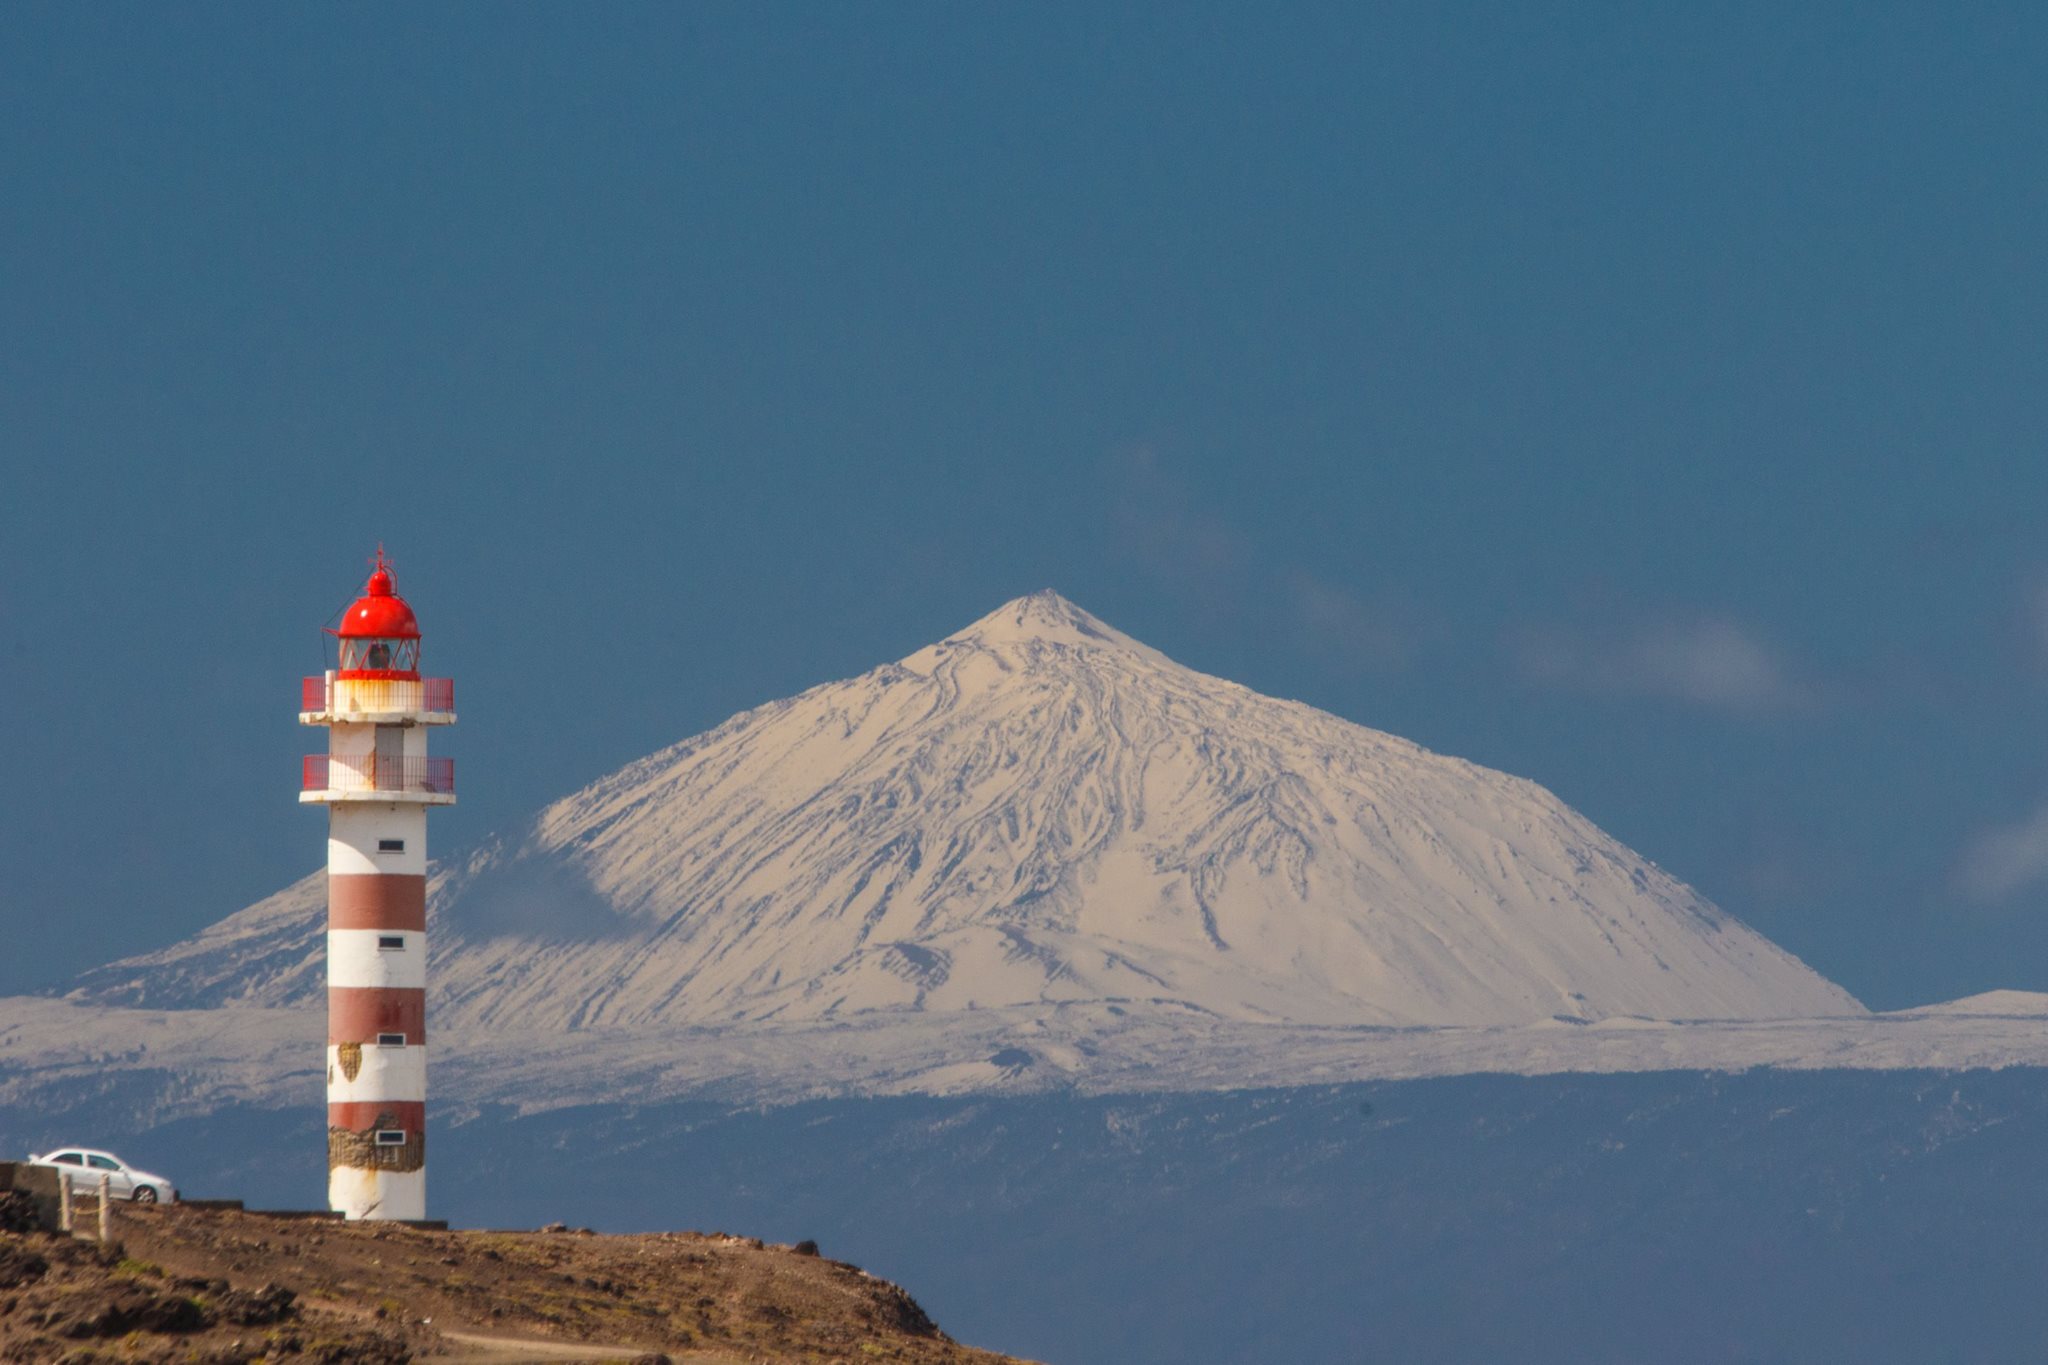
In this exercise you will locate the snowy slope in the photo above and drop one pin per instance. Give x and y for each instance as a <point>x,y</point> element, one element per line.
<point>1038,811</point>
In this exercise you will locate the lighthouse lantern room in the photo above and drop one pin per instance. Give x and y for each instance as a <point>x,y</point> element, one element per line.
<point>377,781</point>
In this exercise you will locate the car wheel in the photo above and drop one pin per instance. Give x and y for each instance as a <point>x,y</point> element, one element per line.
<point>145,1194</point>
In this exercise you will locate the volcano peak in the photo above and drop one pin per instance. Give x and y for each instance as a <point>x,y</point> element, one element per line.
<point>1044,617</point>
<point>1041,813</point>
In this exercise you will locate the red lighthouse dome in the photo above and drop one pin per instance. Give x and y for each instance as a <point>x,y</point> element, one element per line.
<point>380,637</point>
<point>379,612</point>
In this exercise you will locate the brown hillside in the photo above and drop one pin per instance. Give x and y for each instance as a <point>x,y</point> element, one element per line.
<point>218,1286</point>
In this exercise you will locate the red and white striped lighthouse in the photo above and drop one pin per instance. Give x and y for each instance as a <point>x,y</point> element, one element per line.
<point>377,781</point>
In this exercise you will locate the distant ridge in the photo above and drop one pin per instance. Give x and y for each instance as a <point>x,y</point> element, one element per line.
<point>1990,1004</point>
<point>1037,811</point>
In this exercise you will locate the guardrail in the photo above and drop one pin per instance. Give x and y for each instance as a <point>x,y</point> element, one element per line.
<point>368,772</point>
<point>68,1204</point>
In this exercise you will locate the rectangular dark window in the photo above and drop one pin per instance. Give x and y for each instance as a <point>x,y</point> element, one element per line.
<point>390,941</point>
<point>391,845</point>
<point>391,1040</point>
<point>391,1137</point>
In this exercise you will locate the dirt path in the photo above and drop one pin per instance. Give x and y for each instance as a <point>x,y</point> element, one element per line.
<point>472,1349</point>
<point>484,1350</point>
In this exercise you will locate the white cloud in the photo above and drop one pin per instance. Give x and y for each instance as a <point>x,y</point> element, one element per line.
<point>1172,538</point>
<point>1339,624</point>
<point>1209,562</point>
<point>2004,859</point>
<point>1710,661</point>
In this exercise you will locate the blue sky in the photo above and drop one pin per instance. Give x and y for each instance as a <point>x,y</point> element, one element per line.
<point>1643,399</point>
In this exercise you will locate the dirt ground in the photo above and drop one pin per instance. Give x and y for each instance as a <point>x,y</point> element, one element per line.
<point>215,1287</point>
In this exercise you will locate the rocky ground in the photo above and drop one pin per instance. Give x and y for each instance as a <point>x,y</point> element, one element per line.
<point>212,1286</point>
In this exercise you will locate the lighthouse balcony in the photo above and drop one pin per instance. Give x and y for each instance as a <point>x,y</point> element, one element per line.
<point>387,701</point>
<point>371,777</point>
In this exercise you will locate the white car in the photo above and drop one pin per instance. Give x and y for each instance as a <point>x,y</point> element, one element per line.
<point>86,1166</point>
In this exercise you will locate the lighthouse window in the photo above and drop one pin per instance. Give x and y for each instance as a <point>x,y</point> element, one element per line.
<point>391,845</point>
<point>391,942</point>
<point>380,656</point>
<point>391,1137</point>
<point>391,1040</point>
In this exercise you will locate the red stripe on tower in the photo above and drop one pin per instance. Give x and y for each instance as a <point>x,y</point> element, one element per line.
<point>355,901</point>
<point>363,1116</point>
<point>366,1014</point>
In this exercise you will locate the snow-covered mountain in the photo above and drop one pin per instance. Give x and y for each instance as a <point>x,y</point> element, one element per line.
<point>1036,812</point>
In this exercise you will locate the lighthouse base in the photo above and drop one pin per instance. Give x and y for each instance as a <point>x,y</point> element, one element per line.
<point>356,1192</point>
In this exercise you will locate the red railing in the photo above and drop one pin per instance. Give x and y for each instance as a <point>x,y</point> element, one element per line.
<point>368,773</point>
<point>379,694</point>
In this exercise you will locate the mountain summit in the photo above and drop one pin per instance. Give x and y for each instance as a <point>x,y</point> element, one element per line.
<point>1039,811</point>
<point>1045,617</point>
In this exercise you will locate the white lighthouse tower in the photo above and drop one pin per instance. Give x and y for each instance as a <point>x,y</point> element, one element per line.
<point>377,782</point>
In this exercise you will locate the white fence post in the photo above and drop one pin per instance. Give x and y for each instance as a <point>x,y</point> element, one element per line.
<point>106,1205</point>
<point>63,1201</point>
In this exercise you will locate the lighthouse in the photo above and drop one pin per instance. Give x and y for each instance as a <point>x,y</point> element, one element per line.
<point>377,783</point>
